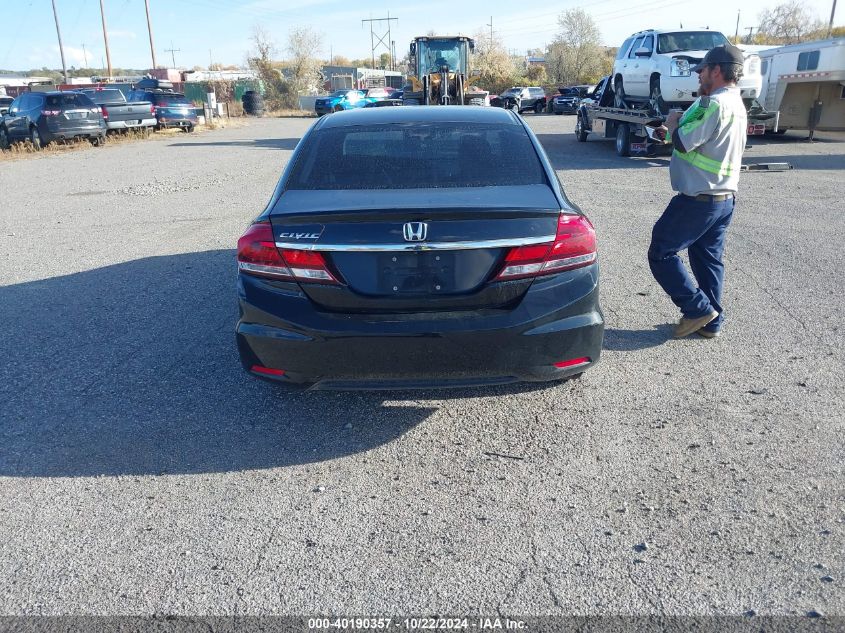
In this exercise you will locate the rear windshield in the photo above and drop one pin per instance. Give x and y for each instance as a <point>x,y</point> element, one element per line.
<point>417,156</point>
<point>69,101</point>
<point>102,96</point>
<point>170,98</point>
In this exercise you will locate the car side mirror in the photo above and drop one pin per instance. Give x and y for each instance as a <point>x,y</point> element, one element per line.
<point>642,52</point>
<point>13,111</point>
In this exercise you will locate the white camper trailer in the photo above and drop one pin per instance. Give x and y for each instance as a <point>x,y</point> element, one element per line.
<point>806,84</point>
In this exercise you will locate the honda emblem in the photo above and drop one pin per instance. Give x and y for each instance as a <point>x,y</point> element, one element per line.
<point>415,231</point>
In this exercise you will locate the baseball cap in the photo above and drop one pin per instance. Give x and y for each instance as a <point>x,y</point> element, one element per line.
<point>725,54</point>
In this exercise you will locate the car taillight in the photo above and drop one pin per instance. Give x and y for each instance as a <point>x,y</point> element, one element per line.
<point>161,104</point>
<point>152,109</point>
<point>574,247</point>
<point>308,266</point>
<point>51,112</point>
<point>258,255</point>
<point>104,112</point>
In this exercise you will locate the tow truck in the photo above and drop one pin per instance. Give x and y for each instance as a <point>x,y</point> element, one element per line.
<point>632,126</point>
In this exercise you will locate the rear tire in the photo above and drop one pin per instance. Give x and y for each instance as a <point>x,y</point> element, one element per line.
<point>188,129</point>
<point>35,138</point>
<point>514,108</point>
<point>98,141</point>
<point>5,143</point>
<point>619,94</point>
<point>623,140</point>
<point>538,107</point>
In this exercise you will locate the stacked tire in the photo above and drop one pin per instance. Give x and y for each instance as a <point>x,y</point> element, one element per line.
<point>253,103</point>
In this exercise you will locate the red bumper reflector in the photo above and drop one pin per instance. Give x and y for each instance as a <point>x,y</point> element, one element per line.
<point>269,371</point>
<point>573,362</point>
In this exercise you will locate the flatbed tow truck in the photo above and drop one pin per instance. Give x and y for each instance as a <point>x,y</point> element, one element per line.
<point>633,127</point>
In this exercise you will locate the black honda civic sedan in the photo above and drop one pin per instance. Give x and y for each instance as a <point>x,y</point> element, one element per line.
<point>401,249</point>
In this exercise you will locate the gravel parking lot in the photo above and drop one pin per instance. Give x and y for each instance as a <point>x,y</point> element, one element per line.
<point>141,471</point>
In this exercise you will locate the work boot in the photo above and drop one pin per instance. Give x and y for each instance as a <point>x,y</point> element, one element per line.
<point>709,333</point>
<point>687,326</point>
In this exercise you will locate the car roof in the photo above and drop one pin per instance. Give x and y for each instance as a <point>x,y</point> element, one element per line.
<point>662,31</point>
<point>419,114</point>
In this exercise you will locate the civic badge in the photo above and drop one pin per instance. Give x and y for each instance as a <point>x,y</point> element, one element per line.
<point>415,231</point>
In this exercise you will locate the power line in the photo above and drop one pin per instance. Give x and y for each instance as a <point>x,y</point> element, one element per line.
<point>374,45</point>
<point>172,52</point>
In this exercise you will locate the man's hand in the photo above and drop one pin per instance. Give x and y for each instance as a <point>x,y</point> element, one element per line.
<point>660,133</point>
<point>672,122</point>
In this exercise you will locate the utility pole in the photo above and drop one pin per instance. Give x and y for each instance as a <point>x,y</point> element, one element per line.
<point>105,36</point>
<point>736,35</point>
<point>150,31</point>
<point>172,52</point>
<point>85,54</point>
<point>491,31</point>
<point>61,46</point>
<point>210,63</point>
<point>381,39</point>
<point>832,13</point>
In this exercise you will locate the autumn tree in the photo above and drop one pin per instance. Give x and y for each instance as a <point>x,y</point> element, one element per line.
<point>260,60</point>
<point>495,66</point>
<point>303,63</point>
<point>575,55</point>
<point>787,23</point>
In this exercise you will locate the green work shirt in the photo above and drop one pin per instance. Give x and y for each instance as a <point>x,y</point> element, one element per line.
<point>712,132</point>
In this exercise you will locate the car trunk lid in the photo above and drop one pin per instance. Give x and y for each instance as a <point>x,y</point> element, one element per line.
<point>428,249</point>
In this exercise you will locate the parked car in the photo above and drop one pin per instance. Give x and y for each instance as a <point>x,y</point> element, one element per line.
<point>172,109</point>
<point>119,113</point>
<point>655,66</point>
<point>396,252</point>
<point>383,102</point>
<point>45,117</point>
<point>598,95</point>
<point>568,99</point>
<point>151,83</point>
<point>339,100</point>
<point>377,94</point>
<point>4,104</point>
<point>521,99</point>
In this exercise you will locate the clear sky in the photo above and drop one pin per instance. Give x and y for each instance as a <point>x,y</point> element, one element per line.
<point>220,29</point>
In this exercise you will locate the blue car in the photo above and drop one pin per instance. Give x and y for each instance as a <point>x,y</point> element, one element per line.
<point>340,100</point>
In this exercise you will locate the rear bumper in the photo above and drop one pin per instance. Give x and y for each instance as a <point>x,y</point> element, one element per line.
<point>64,133</point>
<point>133,123</point>
<point>558,319</point>
<point>570,108</point>
<point>176,121</point>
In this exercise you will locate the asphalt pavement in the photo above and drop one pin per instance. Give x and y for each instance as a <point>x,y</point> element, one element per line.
<point>141,471</point>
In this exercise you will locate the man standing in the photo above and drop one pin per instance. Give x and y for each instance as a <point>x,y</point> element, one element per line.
<point>709,139</point>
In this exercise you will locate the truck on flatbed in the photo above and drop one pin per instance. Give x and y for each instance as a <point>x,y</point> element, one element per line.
<point>630,125</point>
<point>119,113</point>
